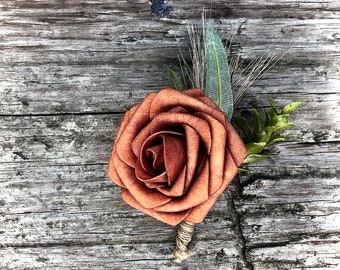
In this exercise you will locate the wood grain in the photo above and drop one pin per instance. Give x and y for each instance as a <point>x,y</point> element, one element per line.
<point>68,72</point>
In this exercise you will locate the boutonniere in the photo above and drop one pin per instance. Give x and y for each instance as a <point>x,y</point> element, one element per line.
<point>177,150</point>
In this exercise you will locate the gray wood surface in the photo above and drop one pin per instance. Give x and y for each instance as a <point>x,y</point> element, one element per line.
<point>68,71</point>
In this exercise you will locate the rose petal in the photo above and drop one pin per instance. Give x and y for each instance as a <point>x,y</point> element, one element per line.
<point>172,219</point>
<point>148,198</point>
<point>112,171</point>
<point>199,94</point>
<point>197,194</point>
<point>234,156</point>
<point>156,153</point>
<point>235,145</point>
<point>174,155</point>
<point>147,137</point>
<point>169,98</point>
<point>126,119</point>
<point>168,122</point>
<point>150,181</point>
<point>209,102</point>
<point>178,188</point>
<point>152,159</point>
<point>136,120</point>
<point>151,146</point>
<point>156,147</point>
<point>178,109</point>
<point>187,174</point>
<point>194,92</point>
<point>193,150</point>
<point>199,212</point>
<point>216,156</point>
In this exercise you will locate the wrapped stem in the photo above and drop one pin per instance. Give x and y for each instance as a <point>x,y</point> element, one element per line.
<point>183,238</point>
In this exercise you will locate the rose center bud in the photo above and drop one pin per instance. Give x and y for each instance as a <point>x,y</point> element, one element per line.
<point>155,158</point>
<point>162,159</point>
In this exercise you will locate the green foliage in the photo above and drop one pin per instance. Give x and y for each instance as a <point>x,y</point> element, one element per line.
<point>257,138</point>
<point>175,81</point>
<point>217,76</point>
<point>291,107</point>
<point>244,126</point>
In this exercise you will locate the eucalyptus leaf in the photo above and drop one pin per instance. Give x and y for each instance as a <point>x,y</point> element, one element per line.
<point>217,76</point>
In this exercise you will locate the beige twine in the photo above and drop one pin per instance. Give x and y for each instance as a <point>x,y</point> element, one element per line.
<point>183,238</point>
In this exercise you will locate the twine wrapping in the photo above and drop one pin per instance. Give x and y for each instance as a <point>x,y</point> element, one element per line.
<point>183,238</point>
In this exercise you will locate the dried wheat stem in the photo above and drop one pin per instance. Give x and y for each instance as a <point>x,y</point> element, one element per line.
<point>183,238</point>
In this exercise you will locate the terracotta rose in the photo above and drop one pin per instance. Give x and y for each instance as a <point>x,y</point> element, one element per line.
<point>175,153</point>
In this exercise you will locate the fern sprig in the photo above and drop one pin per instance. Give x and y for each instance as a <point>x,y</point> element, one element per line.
<point>258,138</point>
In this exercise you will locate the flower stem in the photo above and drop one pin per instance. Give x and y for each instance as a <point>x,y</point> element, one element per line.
<point>183,238</point>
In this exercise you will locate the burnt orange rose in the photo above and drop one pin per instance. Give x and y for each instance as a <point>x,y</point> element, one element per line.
<point>175,153</point>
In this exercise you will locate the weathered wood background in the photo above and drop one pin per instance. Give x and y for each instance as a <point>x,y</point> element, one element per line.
<point>68,71</point>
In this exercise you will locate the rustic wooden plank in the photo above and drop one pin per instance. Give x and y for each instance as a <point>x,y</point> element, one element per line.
<point>78,89</point>
<point>69,69</point>
<point>58,140</point>
<point>292,222</point>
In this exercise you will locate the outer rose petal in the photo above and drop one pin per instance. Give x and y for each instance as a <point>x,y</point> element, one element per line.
<point>112,171</point>
<point>132,124</point>
<point>172,218</point>
<point>235,154</point>
<point>169,98</point>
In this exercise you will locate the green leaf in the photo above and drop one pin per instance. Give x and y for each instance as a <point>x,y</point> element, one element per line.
<point>255,148</point>
<point>268,119</point>
<point>217,76</point>
<point>271,115</point>
<point>279,139</point>
<point>284,126</point>
<point>291,107</point>
<point>272,103</point>
<point>255,158</point>
<point>280,119</point>
<point>244,126</point>
<point>265,134</point>
<point>242,170</point>
<point>256,123</point>
<point>175,81</point>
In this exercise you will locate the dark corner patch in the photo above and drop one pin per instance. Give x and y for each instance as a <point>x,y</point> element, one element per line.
<point>159,9</point>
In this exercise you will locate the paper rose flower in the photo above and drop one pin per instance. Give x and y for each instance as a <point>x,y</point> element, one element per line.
<point>174,154</point>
